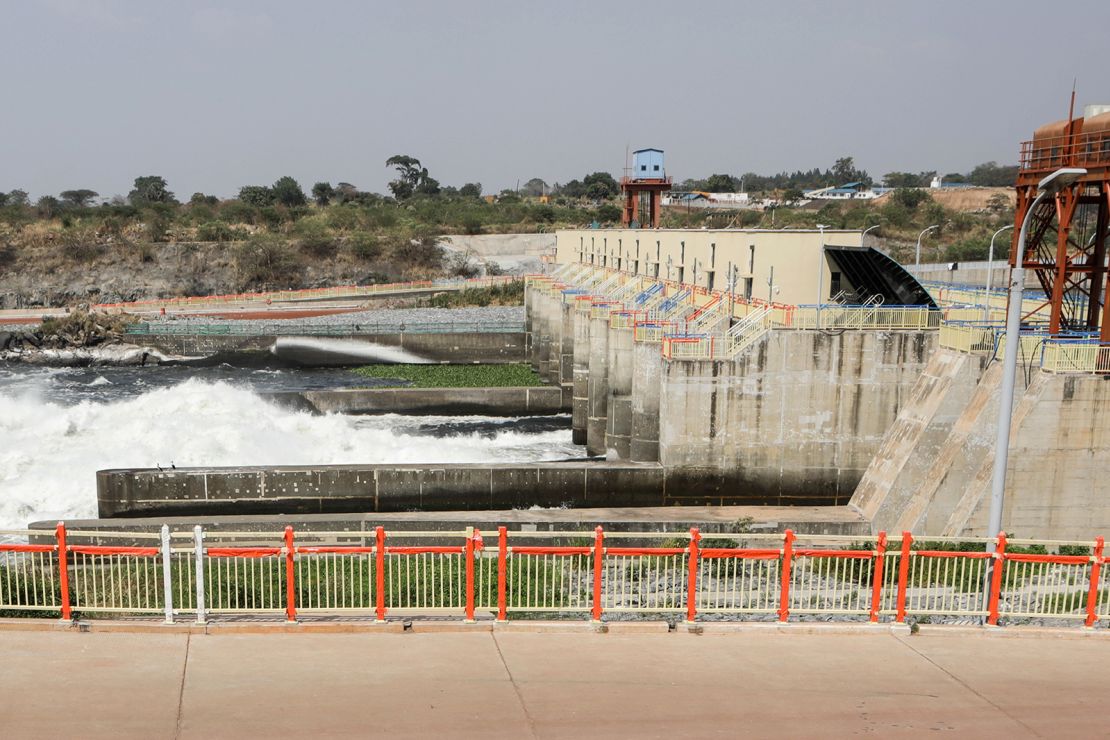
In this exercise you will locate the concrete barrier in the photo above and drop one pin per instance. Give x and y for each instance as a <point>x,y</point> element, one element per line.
<point>484,401</point>
<point>377,488</point>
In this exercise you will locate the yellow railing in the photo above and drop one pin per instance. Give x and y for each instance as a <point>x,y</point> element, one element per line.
<point>652,332</point>
<point>1076,357</point>
<point>746,333</point>
<point>968,338</point>
<point>688,348</point>
<point>856,317</point>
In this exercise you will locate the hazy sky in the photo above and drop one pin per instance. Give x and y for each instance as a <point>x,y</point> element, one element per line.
<point>215,95</point>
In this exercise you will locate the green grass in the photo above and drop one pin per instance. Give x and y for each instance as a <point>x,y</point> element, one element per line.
<point>509,294</point>
<point>453,376</point>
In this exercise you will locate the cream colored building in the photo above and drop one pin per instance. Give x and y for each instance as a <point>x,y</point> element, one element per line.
<point>808,266</point>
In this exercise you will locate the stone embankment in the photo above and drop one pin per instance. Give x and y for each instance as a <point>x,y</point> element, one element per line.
<point>78,338</point>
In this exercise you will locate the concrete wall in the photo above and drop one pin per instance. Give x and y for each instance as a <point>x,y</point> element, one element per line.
<point>462,347</point>
<point>580,373</point>
<point>797,418</point>
<point>796,256</point>
<point>483,401</point>
<point>377,488</point>
<point>932,475</point>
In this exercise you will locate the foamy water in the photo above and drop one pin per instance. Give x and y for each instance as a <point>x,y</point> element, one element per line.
<point>49,451</point>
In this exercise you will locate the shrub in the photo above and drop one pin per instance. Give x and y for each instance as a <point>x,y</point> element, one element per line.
<point>238,212</point>
<point>421,251</point>
<point>314,238</point>
<point>267,259</point>
<point>364,246</point>
<point>214,231</point>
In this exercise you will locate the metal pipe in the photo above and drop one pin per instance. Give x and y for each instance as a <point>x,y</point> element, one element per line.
<point>167,579</point>
<point>198,541</point>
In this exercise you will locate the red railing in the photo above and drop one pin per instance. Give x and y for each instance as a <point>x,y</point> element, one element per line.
<point>785,575</point>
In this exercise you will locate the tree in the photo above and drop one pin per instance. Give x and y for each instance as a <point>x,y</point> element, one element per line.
<point>792,195</point>
<point>721,184</point>
<point>200,199</point>
<point>573,189</point>
<point>910,198</point>
<point>18,198</point>
<point>990,174</point>
<point>150,189</point>
<point>471,190</point>
<point>345,192</point>
<point>844,170</point>
<point>534,187</point>
<point>607,186</point>
<point>78,198</point>
<point>322,193</point>
<point>256,195</point>
<point>412,178</point>
<point>287,191</point>
<point>48,206</point>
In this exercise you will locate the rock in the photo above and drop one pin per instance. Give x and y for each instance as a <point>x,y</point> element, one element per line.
<point>5,339</point>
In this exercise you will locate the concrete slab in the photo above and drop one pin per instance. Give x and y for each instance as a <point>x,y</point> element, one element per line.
<point>778,680</point>
<point>90,686</point>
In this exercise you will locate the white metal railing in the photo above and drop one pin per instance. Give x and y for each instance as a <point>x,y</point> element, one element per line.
<point>748,331</point>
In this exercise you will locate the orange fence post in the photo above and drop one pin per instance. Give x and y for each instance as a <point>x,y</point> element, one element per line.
<point>63,569</point>
<point>1092,591</point>
<point>784,580</point>
<point>999,560</point>
<point>877,576</point>
<point>379,572</point>
<point>502,574</point>
<point>471,535</point>
<point>290,579</point>
<point>599,553</point>
<point>692,579</point>
<point>903,575</point>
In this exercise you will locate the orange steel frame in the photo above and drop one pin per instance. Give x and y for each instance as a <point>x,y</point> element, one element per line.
<point>633,190</point>
<point>1070,265</point>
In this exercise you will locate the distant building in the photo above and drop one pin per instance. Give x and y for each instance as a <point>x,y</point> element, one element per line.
<point>847,191</point>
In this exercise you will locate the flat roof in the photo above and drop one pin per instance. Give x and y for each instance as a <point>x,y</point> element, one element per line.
<point>725,231</point>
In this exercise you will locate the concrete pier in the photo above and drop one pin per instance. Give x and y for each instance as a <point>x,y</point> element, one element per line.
<point>580,394</point>
<point>618,422</point>
<point>598,386</point>
<point>566,352</point>
<point>647,366</point>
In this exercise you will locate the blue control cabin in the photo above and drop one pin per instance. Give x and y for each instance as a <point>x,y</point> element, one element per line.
<point>647,164</point>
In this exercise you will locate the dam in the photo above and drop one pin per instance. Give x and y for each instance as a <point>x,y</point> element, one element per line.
<point>706,397</point>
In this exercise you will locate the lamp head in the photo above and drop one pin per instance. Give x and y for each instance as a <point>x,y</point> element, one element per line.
<point>1060,179</point>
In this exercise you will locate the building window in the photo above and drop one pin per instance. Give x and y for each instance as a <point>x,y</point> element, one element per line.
<point>656,271</point>
<point>682,274</point>
<point>656,168</point>
<point>712,255</point>
<point>682,254</point>
<point>748,288</point>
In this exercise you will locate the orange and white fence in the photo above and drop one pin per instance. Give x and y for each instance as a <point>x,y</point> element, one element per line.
<point>466,573</point>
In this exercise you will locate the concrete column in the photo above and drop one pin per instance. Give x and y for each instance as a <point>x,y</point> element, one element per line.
<point>598,386</point>
<point>618,429</point>
<point>529,322</point>
<point>566,352</point>
<point>548,354</point>
<point>580,401</point>
<point>647,362</point>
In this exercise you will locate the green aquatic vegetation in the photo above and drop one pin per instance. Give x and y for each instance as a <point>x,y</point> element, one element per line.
<point>452,376</point>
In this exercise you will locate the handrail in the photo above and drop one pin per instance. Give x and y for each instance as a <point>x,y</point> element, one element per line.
<point>308,329</point>
<point>574,573</point>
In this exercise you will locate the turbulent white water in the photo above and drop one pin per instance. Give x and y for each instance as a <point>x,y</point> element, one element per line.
<point>49,452</point>
<point>365,351</point>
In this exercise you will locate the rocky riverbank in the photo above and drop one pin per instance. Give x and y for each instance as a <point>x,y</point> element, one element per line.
<point>77,339</point>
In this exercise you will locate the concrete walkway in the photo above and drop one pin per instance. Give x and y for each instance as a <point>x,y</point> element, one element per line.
<point>513,684</point>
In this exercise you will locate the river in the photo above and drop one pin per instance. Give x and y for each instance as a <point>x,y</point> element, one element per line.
<point>58,426</point>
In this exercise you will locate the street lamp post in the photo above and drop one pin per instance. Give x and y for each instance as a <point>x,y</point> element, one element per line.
<point>869,228</point>
<point>820,271</point>
<point>917,252</point>
<point>990,268</point>
<point>1048,187</point>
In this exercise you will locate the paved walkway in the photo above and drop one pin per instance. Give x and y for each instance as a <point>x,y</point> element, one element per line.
<point>549,685</point>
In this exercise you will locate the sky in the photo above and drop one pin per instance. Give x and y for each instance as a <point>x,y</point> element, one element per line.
<point>216,95</point>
